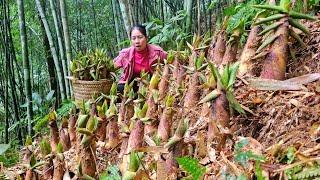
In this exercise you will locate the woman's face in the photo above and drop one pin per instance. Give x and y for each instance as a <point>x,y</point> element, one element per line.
<point>138,40</point>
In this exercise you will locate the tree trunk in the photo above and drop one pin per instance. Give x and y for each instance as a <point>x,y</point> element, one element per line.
<point>124,6</point>
<point>198,18</point>
<point>188,8</point>
<point>49,61</point>
<point>10,54</point>
<point>66,35</point>
<point>53,50</point>
<point>6,102</point>
<point>26,65</point>
<point>61,48</point>
<point>95,23</point>
<point>116,22</point>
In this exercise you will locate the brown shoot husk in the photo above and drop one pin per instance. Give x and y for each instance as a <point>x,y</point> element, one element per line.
<point>249,51</point>
<point>152,111</point>
<point>164,128</point>
<point>136,137</point>
<point>164,82</point>
<point>102,129</point>
<point>48,170</point>
<point>72,129</point>
<point>88,161</point>
<point>220,117</point>
<point>30,175</point>
<point>59,169</point>
<point>113,133</point>
<point>54,135</point>
<point>220,48</point>
<point>193,92</point>
<point>65,139</point>
<point>231,52</point>
<point>274,66</point>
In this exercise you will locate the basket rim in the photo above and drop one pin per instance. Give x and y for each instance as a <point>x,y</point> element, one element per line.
<point>93,81</point>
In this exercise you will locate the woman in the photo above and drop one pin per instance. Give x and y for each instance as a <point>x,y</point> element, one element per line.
<point>139,57</point>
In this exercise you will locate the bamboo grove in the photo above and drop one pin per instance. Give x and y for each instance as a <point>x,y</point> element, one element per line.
<point>183,110</point>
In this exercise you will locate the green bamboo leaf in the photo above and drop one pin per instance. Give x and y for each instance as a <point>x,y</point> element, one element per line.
<point>297,38</point>
<point>270,18</point>
<point>296,24</point>
<point>234,103</point>
<point>28,141</point>
<point>215,73</point>
<point>271,27</point>
<point>225,76</point>
<point>143,111</point>
<point>59,148</point>
<point>267,42</point>
<point>134,162</point>
<point>291,154</point>
<point>233,74</point>
<point>33,160</point>
<point>38,164</point>
<point>271,7</point>
<point>297,15</point>
<point>84,131</point>
<point>285,4</point>
<point>212,95</point>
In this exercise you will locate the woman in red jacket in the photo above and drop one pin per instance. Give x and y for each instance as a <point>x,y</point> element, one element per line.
<point>139,57</point>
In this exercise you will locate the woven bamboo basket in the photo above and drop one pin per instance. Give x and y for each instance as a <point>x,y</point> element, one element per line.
<point>85,90</point>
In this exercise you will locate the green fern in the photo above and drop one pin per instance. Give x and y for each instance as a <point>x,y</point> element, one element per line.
<point>309,173</point>
<point>65,108</point>
<point>192,166</point>
<point>291,172</point>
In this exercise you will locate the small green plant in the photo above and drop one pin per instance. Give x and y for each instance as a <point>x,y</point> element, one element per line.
<point>292,171</point>
<point>309,173</point>
<point>112,173</point>
<point>243,157</point>
<point>41,121</point>
<point>64,110</point>
<point>192,167</point>
<point>9,155</point>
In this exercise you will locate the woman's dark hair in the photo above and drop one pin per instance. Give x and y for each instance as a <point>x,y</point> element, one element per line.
<point>140,28</point>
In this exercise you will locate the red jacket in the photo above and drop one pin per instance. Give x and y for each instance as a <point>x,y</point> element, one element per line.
<point>125,60</point>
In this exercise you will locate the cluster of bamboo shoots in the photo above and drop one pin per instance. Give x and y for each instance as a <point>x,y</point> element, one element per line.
<point>164,113</point>
<point>92,65</point>
<point>280,22</point>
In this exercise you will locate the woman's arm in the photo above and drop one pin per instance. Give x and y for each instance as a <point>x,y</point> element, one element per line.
<point>118,61</point>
